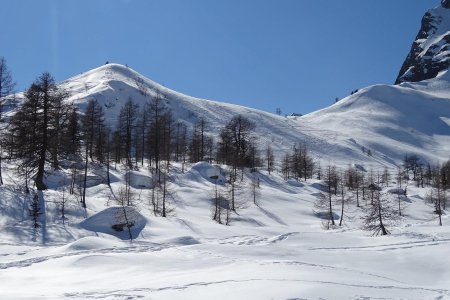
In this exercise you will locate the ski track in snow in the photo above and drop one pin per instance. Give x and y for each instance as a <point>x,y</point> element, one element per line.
<point>35,260</point>
<point>251,240</point>
<point>143,292</point>
<point>237,240</point>
<point>388,247</point>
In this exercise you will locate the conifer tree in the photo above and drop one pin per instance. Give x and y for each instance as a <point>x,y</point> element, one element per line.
<point>7,86</point>
<point>92,125</point>
<point>156,109</point>
<point>42,111</point>
<point>126,127</point>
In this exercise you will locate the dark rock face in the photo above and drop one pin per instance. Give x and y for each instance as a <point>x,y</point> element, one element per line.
<point>429,52</point>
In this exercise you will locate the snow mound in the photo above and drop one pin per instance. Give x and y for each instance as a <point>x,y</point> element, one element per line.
<point>113,221</point>
<point>212,173</point>
<point>397,191</point>
<point>183,241</point>
<point>91,180</point>
<point>92,243</point>
<point>138,180</point>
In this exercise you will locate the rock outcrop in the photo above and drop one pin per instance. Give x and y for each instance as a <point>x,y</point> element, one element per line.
<point>430,52</point>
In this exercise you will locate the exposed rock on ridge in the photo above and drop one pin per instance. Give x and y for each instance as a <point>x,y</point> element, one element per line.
<point>430,52</point>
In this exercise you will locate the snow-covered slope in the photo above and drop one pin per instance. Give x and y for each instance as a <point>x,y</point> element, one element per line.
<point>277,249</point>
<point>393,120</point>
<point>390,121</point>
<point>412,117</point>
<point>112,84</point>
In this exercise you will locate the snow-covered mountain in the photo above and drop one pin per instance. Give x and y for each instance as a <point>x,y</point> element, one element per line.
<point>112,84</point>
<point>275,247</point>
<point>430,53</point>
<point>388,120</point>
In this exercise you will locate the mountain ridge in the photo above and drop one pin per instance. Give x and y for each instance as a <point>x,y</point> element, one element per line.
<point>336,134</point>
<point>323,131</point>
<point>112,84</point>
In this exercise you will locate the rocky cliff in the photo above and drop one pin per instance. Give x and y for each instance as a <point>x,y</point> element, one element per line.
<point>430,52</point>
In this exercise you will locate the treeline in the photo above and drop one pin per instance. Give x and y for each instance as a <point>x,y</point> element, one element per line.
<point>49,133</point>
<point>381,194</point>
<point>46,130</point>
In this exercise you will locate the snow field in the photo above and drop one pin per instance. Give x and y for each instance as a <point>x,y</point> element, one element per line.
<point>278,250</point>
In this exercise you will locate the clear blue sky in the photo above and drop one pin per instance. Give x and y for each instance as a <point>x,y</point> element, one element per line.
<point>294,54</point>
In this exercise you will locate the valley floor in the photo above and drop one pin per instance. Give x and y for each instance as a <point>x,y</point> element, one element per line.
<point>277,250</point>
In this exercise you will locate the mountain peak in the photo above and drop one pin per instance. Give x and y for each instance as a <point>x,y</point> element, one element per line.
<point>108,72</point>
<point>429,56</point>
<point>114,68</point>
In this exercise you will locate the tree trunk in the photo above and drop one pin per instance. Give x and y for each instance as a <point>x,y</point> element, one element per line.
<point>108,178</point>
<point>164,197</point>
<point>342,207</point>
<point>330,206</point>
<point>254,193</point>
<point>40,185</point>
<point>27,190</point>
<point>232,197</point>
<point>439,209</point>
<point>155,208</point>
<point>380,218</point>
<point>216,203</point>
<point>357,196</point>
<point>83,199</point>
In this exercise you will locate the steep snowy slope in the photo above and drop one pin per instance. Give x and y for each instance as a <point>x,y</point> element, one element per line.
<point>430,53</point>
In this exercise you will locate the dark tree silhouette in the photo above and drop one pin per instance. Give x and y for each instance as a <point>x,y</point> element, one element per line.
<point>235,142</point>
<point>270,159</point>
<point>325,199</point>
<point>379,215</point>
<point>157,111</point>
<point>126,127</point>
<point>35,211</point>
<point>42,111</point>
<point>7,86</point>
<point>92,125</point>
<point>437,197</point>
